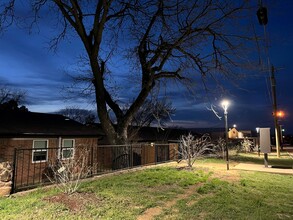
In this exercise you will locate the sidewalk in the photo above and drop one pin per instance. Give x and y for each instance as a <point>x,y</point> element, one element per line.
<point>262,168</point>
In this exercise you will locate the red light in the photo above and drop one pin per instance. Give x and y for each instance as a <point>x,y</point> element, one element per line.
<point>280,114</point>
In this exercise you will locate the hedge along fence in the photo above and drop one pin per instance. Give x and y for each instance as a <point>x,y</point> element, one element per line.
<point>5,178</point>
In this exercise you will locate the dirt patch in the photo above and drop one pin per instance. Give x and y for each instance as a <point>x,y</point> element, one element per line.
<point>152,212</point>
<point>220,171</point>
<point>74,202</point>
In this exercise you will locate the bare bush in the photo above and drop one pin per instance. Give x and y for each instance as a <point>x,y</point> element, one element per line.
<point>221,144</point>
<point>190,148</point>
<point>67,173</point>
<point>246,145</point>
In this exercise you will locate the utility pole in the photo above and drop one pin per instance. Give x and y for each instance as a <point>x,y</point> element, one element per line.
<point>263,20</point>
<point>277,127</point>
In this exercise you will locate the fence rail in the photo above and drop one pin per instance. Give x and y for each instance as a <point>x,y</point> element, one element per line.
<point>31,166</point>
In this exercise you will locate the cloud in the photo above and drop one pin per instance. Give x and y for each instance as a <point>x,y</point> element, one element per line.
<point>193,124</point>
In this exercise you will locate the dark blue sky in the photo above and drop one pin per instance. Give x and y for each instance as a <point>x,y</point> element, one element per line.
<point>27,64</point>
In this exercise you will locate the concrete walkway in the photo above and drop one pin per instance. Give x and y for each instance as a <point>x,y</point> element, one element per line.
<point>262,168</point>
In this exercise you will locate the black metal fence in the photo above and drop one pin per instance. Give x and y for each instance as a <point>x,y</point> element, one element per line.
<point>32,167</point>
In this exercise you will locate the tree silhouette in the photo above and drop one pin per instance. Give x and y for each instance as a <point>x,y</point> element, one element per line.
<point>10,100</point>
<point>160,41</point>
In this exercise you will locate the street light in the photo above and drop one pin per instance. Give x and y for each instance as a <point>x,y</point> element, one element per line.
<point>225,104</point>
<point>280,114</point>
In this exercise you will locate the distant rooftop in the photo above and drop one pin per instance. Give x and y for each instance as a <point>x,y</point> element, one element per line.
<point>18,123</point>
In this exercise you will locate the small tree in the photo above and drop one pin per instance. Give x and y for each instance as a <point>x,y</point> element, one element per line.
<point>246,145</point>
<point>221,143</point>
<point>67,173</point>
<point>190,149</point>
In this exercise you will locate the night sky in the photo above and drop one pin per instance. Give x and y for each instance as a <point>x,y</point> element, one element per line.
<point>27,64</point>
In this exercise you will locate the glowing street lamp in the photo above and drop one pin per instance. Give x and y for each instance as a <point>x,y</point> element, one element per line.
<point>225,104</point>
<point>280,114</point>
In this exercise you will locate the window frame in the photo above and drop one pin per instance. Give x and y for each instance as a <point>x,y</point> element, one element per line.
<point>63,148</point>
<point>40,150</point>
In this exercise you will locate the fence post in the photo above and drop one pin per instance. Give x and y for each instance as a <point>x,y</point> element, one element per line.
<point>131,156</point>
<point>14,172</point>
<point>92,159</point>
<point>156,154</point>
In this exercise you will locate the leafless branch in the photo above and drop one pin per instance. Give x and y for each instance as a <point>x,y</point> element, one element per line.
<point>7,14</point>
<point>192,148</point>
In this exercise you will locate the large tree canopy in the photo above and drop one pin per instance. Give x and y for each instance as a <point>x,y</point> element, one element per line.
<point>158,40</point>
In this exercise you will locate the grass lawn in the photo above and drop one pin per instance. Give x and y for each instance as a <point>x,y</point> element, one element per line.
<point>273,160</point>
<point>164,192</point>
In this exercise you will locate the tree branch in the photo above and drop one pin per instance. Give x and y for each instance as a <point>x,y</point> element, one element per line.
<point>166,74</point>
<point>7,14</point>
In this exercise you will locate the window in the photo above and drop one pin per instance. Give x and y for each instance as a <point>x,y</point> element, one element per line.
<point>40,150</point>
<point>67,149</point>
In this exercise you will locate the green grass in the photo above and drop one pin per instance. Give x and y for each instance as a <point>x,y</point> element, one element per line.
<point>140,190</point>
<point>284,160</point>
<point>126,196</point>
<point>255,196</point>
<point>116,197</point>
<point>28,206</point>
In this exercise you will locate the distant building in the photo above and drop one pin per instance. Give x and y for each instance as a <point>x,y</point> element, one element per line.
<point>234,134</point>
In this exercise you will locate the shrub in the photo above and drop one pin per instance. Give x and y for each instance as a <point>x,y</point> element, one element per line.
<point>246,145</point>
<point>67,173</point>
<point>190,148</point>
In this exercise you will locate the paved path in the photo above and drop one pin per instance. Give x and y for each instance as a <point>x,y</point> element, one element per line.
<point>262,168</point>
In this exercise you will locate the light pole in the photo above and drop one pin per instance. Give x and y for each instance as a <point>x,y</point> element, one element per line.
<point>225,105</point>
<point>258,147</point>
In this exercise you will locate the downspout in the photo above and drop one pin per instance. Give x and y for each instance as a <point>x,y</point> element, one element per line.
<point>59,147</point>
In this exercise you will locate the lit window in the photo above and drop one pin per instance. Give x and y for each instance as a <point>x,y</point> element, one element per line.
<point>40,150</point>
<point>67,149</point>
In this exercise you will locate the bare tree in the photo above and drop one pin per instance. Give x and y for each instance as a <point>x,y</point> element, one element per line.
<point>83,116</point>
<point>191,148</point>
<point>246,145</point>
<point>10,99</point>
<point>221,143</point>
<point>7,94</point>
<point>153,111</point>
<point>68,173</point>
<point>160,40</point>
